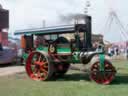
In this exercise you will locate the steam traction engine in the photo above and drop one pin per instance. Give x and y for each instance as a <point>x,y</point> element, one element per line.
<point>50,54</point>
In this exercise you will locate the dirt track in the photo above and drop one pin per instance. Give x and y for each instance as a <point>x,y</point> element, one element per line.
<point>9,70</point>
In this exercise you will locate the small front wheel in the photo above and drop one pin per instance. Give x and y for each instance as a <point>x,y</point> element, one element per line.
<point>102,77</point>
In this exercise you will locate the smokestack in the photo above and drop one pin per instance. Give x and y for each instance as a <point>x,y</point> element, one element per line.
<point>88,21</point>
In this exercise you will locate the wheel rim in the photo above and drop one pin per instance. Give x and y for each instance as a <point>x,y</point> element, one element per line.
<point>102,77</point>
<point>37,66</point>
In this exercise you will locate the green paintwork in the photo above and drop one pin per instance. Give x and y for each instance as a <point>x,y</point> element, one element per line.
<point>60,50</point>
<point>75,59</point>
<point>102,59</point>
<point>42,48</point>
<point>63,50</point>
<point>25,56</point>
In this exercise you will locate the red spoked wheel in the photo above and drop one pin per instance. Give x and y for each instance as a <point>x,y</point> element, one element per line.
<point>61,69</point>
<point>38,66</point>
<point>102,77</point>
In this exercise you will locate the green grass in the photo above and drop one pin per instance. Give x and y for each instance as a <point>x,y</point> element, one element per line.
<point>73,84</point>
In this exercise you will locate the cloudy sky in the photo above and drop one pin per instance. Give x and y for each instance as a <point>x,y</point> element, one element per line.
<point>31,13</point>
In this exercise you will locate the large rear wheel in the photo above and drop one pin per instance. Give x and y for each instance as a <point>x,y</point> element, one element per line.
<point>39,67</point>
<point>102,77</point>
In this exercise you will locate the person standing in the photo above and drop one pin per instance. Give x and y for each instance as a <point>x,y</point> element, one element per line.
<point>1,47</point>
<point>127,52</point>
<point>110,51</point>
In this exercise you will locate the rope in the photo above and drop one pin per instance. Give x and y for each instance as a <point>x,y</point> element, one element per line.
<point>104,26</point>
<point>121,26</point>
<point>113,15</point>
<point>110,19</point>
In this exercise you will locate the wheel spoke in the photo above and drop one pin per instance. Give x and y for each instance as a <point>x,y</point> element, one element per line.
<point>35,70</point>
<point>44,70</point>
<point>39,58</point>
<point>45,66</point>
<point>42,63</point>
<point>39,74</point>
<point>105,76</point>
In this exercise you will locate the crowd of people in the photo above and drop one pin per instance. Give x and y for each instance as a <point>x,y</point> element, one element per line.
<point>115,51</point>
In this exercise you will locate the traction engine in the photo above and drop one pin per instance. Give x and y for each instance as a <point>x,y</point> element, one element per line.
<point>51,53</point>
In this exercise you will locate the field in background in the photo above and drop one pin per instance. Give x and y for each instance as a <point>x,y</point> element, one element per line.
<point>74,83</point>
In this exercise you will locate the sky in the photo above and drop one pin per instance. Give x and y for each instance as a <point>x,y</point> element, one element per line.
<point>31,13</point>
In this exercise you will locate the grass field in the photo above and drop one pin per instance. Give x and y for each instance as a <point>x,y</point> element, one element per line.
<point>73,84</point>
